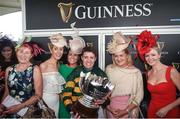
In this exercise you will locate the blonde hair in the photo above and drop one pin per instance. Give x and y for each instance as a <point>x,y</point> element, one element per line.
<point>50,46</point>
<point>159,51</point>
<point>130,61</point>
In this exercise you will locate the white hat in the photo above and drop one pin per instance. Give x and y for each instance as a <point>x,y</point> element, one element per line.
<point>118,43</point>
<point>58,40</point>
<point>76,45</point>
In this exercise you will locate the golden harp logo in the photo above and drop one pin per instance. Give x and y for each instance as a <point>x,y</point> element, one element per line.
<point>65,11</point>
<point>160,45</point>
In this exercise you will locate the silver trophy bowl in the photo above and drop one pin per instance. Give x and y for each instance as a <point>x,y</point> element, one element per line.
<point>93,88</point>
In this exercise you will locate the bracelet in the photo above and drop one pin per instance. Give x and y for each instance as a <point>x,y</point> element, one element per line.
<point>128,111</point>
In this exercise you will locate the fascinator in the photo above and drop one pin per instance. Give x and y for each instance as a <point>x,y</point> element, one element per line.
<point>58,40</point>
<point>5,37</point>
<point>145,42</point>
<point>6,40</point>
<point>118,43</point>
<point>26,42</point>
<point>77,43</point>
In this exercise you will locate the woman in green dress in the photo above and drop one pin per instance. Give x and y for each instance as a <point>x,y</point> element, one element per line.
<point>73,60</point>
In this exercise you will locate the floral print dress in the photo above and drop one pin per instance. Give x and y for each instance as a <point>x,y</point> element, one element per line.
<point>20,84</point>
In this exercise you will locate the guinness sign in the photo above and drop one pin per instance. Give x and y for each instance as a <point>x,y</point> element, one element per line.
<point>100,13</point>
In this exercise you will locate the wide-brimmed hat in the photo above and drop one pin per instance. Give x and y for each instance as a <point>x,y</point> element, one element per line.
<point>77,44</point>
<point>118,43</point>
<point>58,40</point>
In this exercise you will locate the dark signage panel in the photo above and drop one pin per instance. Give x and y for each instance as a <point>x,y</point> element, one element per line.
<point>45,14</point>
<point>170,51</point>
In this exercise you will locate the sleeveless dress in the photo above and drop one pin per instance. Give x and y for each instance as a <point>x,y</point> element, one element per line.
<point>161,95</point>
<point>52,86</point>
<point>20,85</point>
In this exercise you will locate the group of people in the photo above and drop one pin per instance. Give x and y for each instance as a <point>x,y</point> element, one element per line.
<point>58,84</point>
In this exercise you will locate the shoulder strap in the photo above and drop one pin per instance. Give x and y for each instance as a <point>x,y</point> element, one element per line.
<point>12,69</point>
<point>33,68</point>
<point>168,73</point>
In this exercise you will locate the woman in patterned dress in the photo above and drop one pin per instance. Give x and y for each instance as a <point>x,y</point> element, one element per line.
<point>23,80</point>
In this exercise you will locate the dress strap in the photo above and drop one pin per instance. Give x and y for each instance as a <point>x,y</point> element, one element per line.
<point>168,73</point>
<point>12,69</point>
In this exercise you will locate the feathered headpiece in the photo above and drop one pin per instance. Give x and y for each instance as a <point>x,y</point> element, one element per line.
<point>145,42</point>
<point>77,43</point>
<point>118,43</point>
<point>34,46</point>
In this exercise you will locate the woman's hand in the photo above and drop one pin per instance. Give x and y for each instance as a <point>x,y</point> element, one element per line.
<point>13,109</point>
<point>120,113</point>
<point>2,108</point>
<point>162,112</point>
<point>75,116</point>
<point>112,110</point>
<point>99,102</point>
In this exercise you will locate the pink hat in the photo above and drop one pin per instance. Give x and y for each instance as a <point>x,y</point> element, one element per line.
<point>76,45</point>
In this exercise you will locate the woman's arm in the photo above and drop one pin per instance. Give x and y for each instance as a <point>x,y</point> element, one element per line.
<point>175,76</point>
<point>6,92</point>
<point>38,86</point>
<point>138,96</point>
<point>138,92</point>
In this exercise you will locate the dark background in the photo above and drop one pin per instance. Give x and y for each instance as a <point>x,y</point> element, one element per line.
<point>44,14</point>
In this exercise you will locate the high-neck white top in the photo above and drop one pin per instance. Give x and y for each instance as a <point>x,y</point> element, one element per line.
<point>53,82</point>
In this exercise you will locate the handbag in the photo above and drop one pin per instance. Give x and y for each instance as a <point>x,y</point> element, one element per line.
<point>39,110</point>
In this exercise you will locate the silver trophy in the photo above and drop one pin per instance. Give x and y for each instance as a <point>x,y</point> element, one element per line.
<point>93,88</point>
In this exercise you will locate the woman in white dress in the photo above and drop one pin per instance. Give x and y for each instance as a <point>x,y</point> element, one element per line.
<point>52,79</point>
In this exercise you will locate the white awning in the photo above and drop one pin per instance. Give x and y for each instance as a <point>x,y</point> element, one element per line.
<point>9,6</point>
